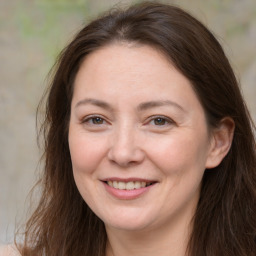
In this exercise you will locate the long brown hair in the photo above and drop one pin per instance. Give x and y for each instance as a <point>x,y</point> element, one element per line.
<point>225,219</point>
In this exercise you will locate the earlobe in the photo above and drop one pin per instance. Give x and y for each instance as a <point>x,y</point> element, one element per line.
<point>221,142</point>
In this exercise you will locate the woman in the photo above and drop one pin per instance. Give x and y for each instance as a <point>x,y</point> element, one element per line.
<point>149,147</point>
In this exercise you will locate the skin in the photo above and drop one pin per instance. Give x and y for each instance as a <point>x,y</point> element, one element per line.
<point>115,132</point>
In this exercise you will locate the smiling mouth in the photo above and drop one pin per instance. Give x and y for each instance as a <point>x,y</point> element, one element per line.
<point>130,185</point>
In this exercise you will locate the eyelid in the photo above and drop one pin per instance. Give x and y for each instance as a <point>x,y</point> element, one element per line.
<point>167,119</point>
<point>87,118</point>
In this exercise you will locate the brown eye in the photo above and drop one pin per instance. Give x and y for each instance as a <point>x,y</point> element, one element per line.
<point>97,120</point>
<point>159,121</point>
<point>94,120</point>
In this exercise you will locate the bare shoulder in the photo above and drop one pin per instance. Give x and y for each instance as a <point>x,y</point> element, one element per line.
<point>9,250</point>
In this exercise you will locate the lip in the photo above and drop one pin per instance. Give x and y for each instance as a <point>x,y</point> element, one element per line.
<point>128,179</point>
<point>124,194</point>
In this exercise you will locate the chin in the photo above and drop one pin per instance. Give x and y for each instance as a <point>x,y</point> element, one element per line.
<point>127,226</point>
<point>129,222</point>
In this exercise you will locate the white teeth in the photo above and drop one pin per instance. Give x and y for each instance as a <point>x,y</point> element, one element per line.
<point>137,184</point>
<point>128,185</point>
<point>115,184</point>
<point>121,185</point>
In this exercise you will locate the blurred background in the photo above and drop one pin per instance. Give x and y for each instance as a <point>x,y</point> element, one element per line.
<point>32,33</point>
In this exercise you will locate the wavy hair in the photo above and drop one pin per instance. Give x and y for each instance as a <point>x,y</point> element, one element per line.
<point>225,219</point>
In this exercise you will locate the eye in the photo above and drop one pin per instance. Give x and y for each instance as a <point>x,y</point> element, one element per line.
<point>160,121</point>
<point>94,120</point>
<point>97,120</point>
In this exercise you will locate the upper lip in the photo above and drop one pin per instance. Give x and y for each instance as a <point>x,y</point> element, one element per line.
<point>128,179</point>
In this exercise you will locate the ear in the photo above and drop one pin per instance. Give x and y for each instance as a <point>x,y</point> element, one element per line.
<point>221,140</point>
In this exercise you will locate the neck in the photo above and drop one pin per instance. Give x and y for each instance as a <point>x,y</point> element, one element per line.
<point>165,241</point>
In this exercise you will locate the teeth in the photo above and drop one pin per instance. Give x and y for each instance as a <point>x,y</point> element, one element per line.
<point>115,184</point>
<point>121,185</point>
<point>128,185</point>
<point>137,184</point>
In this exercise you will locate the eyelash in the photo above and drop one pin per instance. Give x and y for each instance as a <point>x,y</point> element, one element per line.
<point>90,120</point>
<point>166,120</point>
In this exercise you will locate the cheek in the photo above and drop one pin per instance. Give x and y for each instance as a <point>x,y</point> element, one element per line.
<point>86,153</point>
<point>179,154</point>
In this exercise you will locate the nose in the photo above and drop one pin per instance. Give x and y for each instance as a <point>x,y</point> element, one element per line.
<point>126,149</point>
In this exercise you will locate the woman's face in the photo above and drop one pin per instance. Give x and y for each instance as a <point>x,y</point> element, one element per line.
<point>138,138</point>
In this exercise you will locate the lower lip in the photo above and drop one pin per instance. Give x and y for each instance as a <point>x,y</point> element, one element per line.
<point>127,194</point>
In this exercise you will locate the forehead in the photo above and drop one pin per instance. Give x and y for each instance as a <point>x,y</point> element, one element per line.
<point>125,58</point>
<point>128,62</point>
<point>132,71</point>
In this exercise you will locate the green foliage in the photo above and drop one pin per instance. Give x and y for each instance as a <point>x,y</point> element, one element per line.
<point>67,2</point>
<point>49,23</point>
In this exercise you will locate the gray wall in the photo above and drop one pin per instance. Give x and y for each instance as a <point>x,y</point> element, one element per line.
<point>31,35</point>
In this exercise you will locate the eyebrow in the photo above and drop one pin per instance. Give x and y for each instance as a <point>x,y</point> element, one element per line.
<point>141,107</point>
<point>95,102</point>
<point>153,104</point>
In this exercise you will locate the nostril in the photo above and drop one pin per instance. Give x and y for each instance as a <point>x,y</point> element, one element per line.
<point>124,164</point>
<point>125,157</point>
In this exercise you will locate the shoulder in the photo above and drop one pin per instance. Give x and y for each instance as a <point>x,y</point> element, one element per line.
<point>9,250</point>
